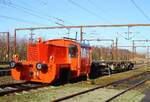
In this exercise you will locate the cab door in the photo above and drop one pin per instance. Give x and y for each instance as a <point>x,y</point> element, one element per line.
<point>73,56</point>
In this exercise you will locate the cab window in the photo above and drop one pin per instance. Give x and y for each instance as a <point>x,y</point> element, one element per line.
<point>73,51</point>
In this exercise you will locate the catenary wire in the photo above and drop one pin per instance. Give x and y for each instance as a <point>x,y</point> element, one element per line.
<point>20,20</point>
<point>87,10</point>
<point>140,10</point>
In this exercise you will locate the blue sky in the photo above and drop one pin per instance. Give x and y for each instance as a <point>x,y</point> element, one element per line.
<point>33,13</point>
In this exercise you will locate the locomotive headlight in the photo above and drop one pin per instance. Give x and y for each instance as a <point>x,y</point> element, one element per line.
<point>39,66</point>
<point>12,64</point>
<point>42,67</point>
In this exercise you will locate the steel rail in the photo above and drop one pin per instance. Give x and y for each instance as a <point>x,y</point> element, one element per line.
<point>126,90</point>
<point>97,87</point>
<point>19,87</point>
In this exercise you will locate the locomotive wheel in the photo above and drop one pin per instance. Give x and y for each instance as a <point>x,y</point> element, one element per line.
<point>94,71</point>
<point>83,78</point>
<point>91,74</point>
<point>64,76</point>
<point>131,66</point>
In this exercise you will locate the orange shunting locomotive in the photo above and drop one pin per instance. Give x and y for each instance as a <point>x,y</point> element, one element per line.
<point>57,59</point>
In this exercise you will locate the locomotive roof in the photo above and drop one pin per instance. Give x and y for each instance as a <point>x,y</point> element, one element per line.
<point>85,45</point>
<point>74,41</point>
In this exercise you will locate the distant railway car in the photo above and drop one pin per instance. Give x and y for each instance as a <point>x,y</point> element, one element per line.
<point>120,65</point>
<point>52,60</point>
<point>98,67</point>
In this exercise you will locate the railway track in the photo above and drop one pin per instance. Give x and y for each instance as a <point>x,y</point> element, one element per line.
<point>19,87</point>
<point>12,88</point>
<point>127,89</point>
<point>116,83</point>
